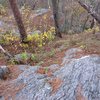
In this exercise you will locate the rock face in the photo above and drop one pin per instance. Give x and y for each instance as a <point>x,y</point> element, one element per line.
<point>5,27</point>
<point>4,71</point>
<point>97,35</point>
<point>80,80</point>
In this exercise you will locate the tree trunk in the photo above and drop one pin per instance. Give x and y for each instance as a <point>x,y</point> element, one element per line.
<point>18,18</point>
<point>56,19</point>
<point>84,25</point>
<point>92,23</point>
<point>90,10</point>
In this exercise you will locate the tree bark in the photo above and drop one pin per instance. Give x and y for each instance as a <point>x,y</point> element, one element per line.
<point>34,4</point>
<point>18,18</point>
<point>56,19</point>
<point>91,11</point>
<point>92,23</point>
<point>84,25</point>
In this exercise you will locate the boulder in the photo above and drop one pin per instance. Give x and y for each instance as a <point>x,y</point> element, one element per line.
<point>36,32</point>
<point>41,11</point>
<point>75,79</point>
<point>6,27</point>
<point>4,72</point>
<point>97,35</point>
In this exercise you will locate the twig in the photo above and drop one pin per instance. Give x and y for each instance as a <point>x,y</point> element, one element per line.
<point>6,53</point>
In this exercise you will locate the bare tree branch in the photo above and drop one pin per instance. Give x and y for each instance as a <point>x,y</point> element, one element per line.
<point>91,11</point>
<point>5,52</point>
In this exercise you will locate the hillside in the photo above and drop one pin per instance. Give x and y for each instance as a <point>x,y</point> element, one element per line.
<point>51,51</point>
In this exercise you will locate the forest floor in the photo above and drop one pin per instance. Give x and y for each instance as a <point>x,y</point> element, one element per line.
<point>50,53</point>
<point>54,51</point>
<point>85,41</point>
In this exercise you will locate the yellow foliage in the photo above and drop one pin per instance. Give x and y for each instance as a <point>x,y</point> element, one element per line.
<point>45,17</point>
<point>41,39</point>
<point>2,10</point>
<point>88,30</point>
<point>37,40</point>
<point>82,46</point>
<point>97,29</point>
<point>52,29</point>
<point>7,38</point>
<point>24,45</point>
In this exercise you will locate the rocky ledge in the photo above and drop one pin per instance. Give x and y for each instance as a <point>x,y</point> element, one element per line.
<point>77,78</point>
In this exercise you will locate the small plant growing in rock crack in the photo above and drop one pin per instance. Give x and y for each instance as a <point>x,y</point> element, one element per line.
<point>46,69</point>
<point>51,53</point>
<point>34,58</point>
<point>24,56</point>
<point>41,62</point>
<point>11,61</point>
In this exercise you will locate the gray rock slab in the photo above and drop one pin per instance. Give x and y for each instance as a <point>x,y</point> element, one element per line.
<point>41,11</point>
<point>81,73</point>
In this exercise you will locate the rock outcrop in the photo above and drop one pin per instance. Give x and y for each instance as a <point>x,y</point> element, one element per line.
<point>75,79</point>
<point>4,72</point>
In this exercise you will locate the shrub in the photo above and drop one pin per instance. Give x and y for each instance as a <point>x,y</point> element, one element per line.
<point>24,56</point>
<point>7,38</point>
<point>35,40</point>
<point>3,10</point>
<point>34,58</point>
<point>39,40</point>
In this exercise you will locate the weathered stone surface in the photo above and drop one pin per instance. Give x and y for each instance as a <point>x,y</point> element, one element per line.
<point>97,35</point>
<point>8,26</point>
<point>80,80</point>
<point>41,11</point>
<point>4,71</point>
<point>36,32</point>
